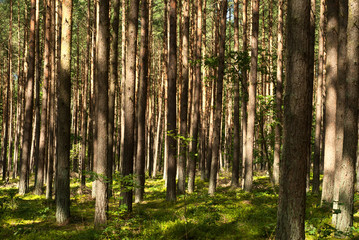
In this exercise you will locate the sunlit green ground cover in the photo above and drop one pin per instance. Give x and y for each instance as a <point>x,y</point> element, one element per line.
<point>230,214</point>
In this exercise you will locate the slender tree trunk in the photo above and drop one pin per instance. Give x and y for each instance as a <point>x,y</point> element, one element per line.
<point>218,105</point>
<point>184,98</point>
<point>129,101</point>
<point>111,93</point>
<point>44,123</point>
<point>196,86</point>
<point>237,127</point>
<point>248,159</point>
<point>330,100</point>
<point>29,95</point>
<point>319,101</point>
<point>171,103</point>
<point>141,104</point>
<point>101,114</point>
<point>63,139</point>
<point>278,96</point>
<point>297,109</point>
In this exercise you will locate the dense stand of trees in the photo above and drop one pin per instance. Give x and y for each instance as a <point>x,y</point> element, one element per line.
<point>97,89</point>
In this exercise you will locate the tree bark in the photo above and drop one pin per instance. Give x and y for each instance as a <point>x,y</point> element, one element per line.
<point>141,104</point>
<point>129,100</point>
<point>248,159</point>
<point>330,100</point>
<point>63,139</point>
<point>218,105</point>
<point>101,115</point>
<point>297,109</point>
<point>29,96</point>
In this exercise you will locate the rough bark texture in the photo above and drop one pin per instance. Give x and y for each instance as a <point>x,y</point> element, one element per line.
<point>141,104</point>
<point>278,95</point>
<point>129,101</point>
<point>184,98</point>
<point>171,103</point>
<point>248,158</point>
<point>236,122</point>
<point>330,100</point>
<point>244,89</point>
<point>346,171</point>
<point>101,115</point>
<point>29,96</point>
<point>218,105</point>
<point>319,102</point>
<point>297,108</point>
<point>45,90</point>
<point>63,145</point>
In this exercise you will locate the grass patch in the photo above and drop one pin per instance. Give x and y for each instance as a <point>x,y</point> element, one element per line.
<point>229,214</point>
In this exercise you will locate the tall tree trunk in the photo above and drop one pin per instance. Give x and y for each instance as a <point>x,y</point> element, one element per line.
<point>29,96</point>
<point>141,104</point>
<point>237,127</point>
<point>248,159</point>
<point>129,101</point>
<point>297,109</point>
<point>347,168</point>
<point>341,90</point>
<point>63,139</point>
<point>196,86</point>
<point>218,105</point>
<point>319,102</point>
<point>101,114</point>
<point>184,98</point>
<point>330,100</point>
<point>278,96</point>
<point>44,123</point>
<point>171,103</point>
<point>111,93</point>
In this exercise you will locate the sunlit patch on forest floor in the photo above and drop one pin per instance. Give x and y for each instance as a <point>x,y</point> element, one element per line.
<point>230,214</point>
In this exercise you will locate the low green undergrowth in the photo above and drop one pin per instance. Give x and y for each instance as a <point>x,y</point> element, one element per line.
<point>230,214</point>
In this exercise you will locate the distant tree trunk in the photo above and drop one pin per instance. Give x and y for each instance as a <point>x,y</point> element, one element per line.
<point>237,127</point>
<point>84,102</point>
<point>244,90</point>
<point>111,93</point>
<point>142,104</point>
<point>248,159</point>
<point>101,114</point>
<point>129,101</point>
<point>63,139</point>
<point>330,100</point>
<point>341,91</point>
<point>184,98</point>
<point>278,96</point>
<point>346,170</point>
<point>196,86</point>
<point>44,123</point>
<point>171,103</point>
<point>218,105</point>
<point>297,108</point>
<point>29,96</point>
<point>319,102</point>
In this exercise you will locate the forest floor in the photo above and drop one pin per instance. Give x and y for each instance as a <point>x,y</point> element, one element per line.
<point>230,214</point>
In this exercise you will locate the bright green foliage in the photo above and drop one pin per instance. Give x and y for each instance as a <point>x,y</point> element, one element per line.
<point>230,214</point>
